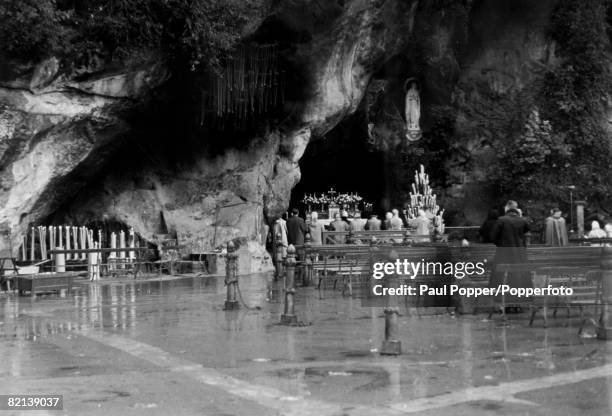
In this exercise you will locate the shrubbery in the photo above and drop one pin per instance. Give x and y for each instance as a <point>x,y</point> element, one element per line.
<point>85,31</point>
<point>564,140</point>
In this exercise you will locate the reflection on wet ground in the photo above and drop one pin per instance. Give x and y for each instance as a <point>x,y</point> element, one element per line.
<point>159,346</point>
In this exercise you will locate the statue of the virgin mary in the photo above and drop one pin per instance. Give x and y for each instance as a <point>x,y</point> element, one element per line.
<point>413,110</point>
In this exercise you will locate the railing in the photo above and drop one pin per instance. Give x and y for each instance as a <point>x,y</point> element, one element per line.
<point>381,237</point>
<point>469,232</point>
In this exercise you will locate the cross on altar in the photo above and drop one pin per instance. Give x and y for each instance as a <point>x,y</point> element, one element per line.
<point>332,192</point>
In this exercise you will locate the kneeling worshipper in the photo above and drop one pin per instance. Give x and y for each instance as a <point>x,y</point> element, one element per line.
<point>341,226</point>
<point>373,223</point>
<point>421,223</point>
<point>396,222</point>
<point>358,223</point>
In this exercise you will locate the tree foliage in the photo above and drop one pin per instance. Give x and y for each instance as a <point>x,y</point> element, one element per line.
<point>81,32</point>
<point>565,141</point>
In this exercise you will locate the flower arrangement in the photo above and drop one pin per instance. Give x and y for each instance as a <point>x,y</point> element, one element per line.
<point>345,200</point>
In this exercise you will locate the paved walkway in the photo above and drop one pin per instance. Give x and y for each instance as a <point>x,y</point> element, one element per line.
<point>167,347</point>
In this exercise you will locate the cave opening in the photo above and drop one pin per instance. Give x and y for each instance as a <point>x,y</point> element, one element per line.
<point>343,160</point>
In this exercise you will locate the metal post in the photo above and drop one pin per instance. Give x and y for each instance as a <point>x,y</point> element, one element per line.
<point>307,264</point>
<point>90,266</point>
<point>231,278</point>
<point>580,217</point>
<point>279,256</point>
<point>604,331</point>
<point>571,188</point>
<point>289,318</point>
<point>391,345</point>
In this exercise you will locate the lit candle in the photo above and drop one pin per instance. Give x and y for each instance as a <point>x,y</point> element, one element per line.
<point>32,245</point>
<point>132,240</point>
<point>68,255</point>
<point>113,244</point>
<point>82,240</point>
<point>75,239</point>
<point>121,245</point>
<point>52,237</point>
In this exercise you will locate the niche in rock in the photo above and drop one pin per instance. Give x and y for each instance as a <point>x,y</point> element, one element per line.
<point>345,161</point>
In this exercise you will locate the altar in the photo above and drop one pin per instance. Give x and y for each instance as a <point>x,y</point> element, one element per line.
<point>328,204</point>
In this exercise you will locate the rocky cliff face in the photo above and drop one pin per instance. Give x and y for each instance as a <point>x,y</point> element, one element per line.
<point>63,141</point>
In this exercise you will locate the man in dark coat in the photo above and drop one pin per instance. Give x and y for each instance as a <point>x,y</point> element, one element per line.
<point>487,226</point>
<point>509,230</point>
<point>509,235</point>
<point>296,229</point>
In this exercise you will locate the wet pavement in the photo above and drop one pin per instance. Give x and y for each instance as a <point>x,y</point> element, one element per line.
<point>168,347</point>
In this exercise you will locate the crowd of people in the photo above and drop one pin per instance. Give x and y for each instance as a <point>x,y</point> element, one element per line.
<point>555,232</point>
<point>293,230</point>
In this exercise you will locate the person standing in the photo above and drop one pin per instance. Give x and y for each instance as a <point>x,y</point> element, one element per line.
<point>608,230</point>
<point>555,230</point>
<point>315,228</point>
<point>296,228</point>
<point>510,236</point>
<point>279,244</point>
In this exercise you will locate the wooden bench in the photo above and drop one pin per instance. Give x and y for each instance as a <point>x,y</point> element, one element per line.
<point>577,267</point>
<point>586,286</point>
<point>45,283</point>
<point>345,267</point>
<point>353,264</point>
<point>356,261</point>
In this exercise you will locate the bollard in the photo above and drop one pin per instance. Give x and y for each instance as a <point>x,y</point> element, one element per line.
<point>60,261</point>
<point>580,217</point>
<point>307,264</point>
<point>604,331</point>
<point>231,278</point>
<point>280,254</point>
<point>90,266</point>
<point>289,318</point>
<point>391,345</point>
